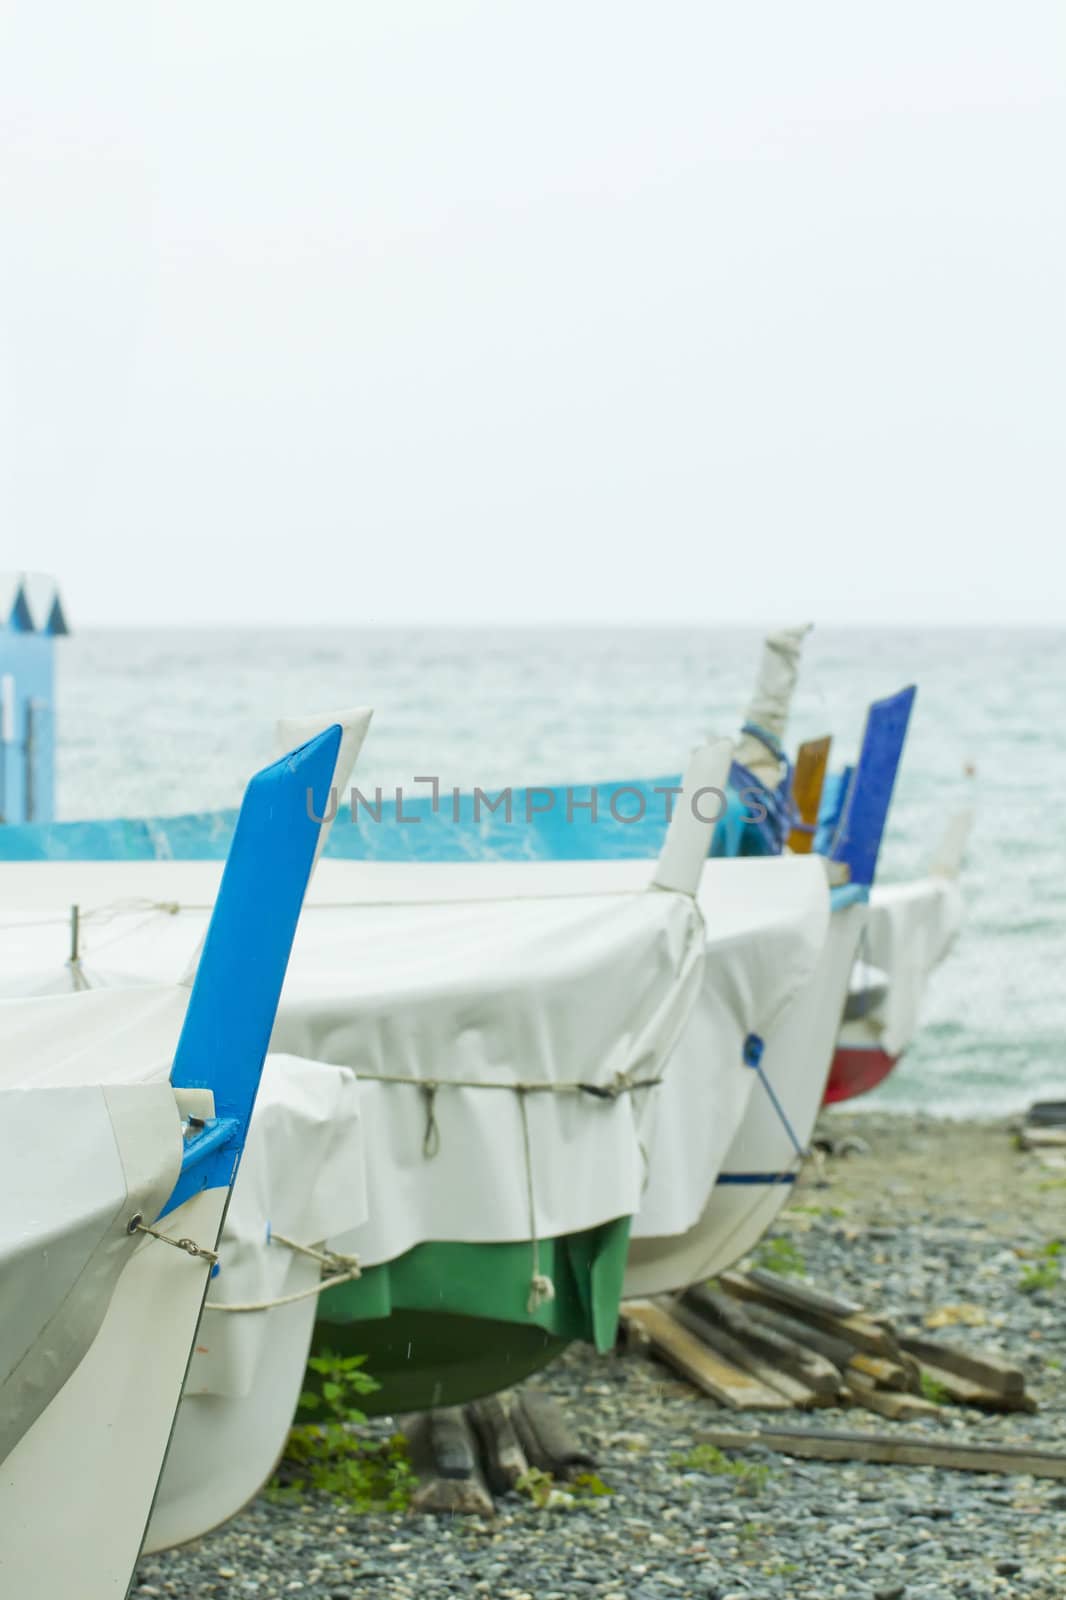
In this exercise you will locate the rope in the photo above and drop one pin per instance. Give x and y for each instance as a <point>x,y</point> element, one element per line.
<point>431,1137</point>
<point>620,1084</point>
<point>753,1058</point>
<point>137,1224</point>
<point>541,1287</point>
<point>345,1270</point>
<point>781,813</point>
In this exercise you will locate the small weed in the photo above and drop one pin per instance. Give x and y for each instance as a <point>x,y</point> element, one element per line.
<point>780,1255</point>
<point>590,1486</point>
<point>708,1458</point>
<point>542,1489</point>
<point>933,1390</point>
<point>1046,1273</point>
<point>369,1475</point>
<point>537,1486</point>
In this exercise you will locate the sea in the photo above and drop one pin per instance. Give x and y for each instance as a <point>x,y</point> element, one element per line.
<point>164,721</point>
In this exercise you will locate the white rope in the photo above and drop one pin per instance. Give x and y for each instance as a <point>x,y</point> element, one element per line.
<point>541,1288</point>
<point>349,1270</point>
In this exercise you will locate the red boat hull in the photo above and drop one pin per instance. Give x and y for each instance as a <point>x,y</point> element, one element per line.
<point>856,1071</point>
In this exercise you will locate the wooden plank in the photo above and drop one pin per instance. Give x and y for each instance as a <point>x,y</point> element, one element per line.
<point>794,1390</point>
<point>884,1374</point>
<point>864,1392</point>
<point>875,1338</point>
<point>505,1460</point>
<point>808,780</point>
<point>450,1443</point>
<point>1043,1138</point>
<point>821,1444</point>
<point>803,1296</point>
<point>990,1371</point>
<point>556,1446</point>
<point>445,1493</point>
<point>786,1354</point>
<point>966,1393</point>
<point>837,1352</point>
<point>728,1385</point>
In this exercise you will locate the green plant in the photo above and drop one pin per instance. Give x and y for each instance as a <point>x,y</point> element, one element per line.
<point>708,1458</point>
<point>590,1486</point>
<point>537,1486</point>
<point>327,1455</point>
<point>780,1255</point>
<point>547,1495</point>
<point>933,1390</point>
<point>1046,1273</point>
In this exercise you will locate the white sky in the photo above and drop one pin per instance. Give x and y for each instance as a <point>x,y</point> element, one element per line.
<point>609,311</point>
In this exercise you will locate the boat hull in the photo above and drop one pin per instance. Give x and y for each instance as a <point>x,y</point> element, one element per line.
<point>856,1070</point>
<point>424,1359</point>
<point>77,1489</point>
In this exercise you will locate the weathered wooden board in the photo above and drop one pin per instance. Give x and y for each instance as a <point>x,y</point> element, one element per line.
<point>818,1444</point>
<point>727,1384</point>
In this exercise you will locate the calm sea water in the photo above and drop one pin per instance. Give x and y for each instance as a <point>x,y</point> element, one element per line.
<point>169,721</point>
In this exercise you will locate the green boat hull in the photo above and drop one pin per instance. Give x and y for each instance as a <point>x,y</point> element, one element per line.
<point>447,1323</point>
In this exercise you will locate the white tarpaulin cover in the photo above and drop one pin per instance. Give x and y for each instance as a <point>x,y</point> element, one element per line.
<point>909,930</point>
<point>301,1179</point>
<point>544,975</point>
<point>766,923</point>
<point>90,1134</point>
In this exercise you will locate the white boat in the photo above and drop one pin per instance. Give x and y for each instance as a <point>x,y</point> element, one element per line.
<point>770,1133</point>
<point>565,985</point>
<point>791,1064</point>
<point>909,931</point>
<point>124,1117</point>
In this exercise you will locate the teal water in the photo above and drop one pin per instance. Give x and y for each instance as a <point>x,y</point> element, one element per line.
<point>175,720</point>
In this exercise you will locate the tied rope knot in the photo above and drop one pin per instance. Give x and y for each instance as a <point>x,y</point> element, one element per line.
<point>336,1268</point>
<point>541,1291</point>
<point>431,1135</point>
<point>622,1083</point>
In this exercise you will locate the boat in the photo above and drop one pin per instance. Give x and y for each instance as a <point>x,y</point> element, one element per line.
<point>125,1115</point>
<point>442,985</point>
<point>790,1070</point>
<point>450,1306</point>
<point>910,928</point>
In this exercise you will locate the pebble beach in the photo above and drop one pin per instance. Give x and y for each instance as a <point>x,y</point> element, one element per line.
<point>937,1224</point>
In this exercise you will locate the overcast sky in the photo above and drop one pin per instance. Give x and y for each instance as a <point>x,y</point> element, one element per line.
<point>608,311</point>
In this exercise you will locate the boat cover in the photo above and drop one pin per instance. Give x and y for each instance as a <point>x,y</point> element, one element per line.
<point>909,930</point>
<point>301,1179</point>
<point>467,974</point>
<point>90,1134</point>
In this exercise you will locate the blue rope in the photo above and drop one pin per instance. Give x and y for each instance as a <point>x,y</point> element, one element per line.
<point>753,1052</point>
<point>780,806</point>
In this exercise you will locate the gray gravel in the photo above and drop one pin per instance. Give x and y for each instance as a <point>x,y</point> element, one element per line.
<point>894,1228</point>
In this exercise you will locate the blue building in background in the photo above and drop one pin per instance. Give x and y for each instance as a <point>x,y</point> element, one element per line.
<point>31,620</point>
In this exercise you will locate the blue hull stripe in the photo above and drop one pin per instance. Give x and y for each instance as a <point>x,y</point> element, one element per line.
<point>756,1177</point>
